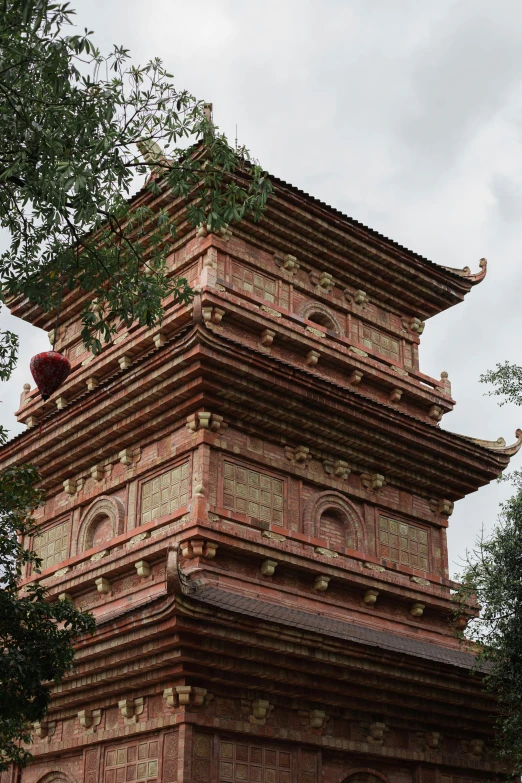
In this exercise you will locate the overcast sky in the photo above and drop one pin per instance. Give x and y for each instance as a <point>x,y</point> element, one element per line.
<point>404,114</point>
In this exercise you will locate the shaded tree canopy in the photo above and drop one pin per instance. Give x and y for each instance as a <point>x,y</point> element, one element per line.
<point>493,576</point>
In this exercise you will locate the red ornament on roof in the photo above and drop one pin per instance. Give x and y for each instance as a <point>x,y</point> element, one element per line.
<point>49,370</point>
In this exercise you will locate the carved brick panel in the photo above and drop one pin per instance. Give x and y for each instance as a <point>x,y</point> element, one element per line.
<point>166,493</point>
<point>379,342</point>
<point>254,763</point>
<point>202,758</point>
<point>134,762</point>
<point>253,494</point>
<point>252,282</point>
<point>308,763</point>
<point>403,543</point>
<point>52,544</point>
<point>170,757</point>
<point>91,765</point>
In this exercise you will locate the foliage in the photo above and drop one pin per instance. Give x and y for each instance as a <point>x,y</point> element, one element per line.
<point>35,635</point>
<point>76,130</point>
<point>507,382</point>
<point>493,575</point>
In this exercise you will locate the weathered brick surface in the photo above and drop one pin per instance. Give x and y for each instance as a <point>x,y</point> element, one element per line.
<point>279,436</point>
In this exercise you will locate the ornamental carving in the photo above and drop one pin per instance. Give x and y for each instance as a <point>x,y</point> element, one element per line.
<point>322,315</point>
<point>107,511</point>
<point>56,777</point>
<point>343,512</point>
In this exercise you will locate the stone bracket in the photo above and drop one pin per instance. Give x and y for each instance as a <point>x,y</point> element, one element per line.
<point>323,279</point>
<point>287,262</point>
<point>187,696</point>
<point>203,420</point>
<point>197,547</point>
<point>298,454</point>
<point>89,719</point>
<point>258,711</point>
<point>376,732</point>
<point>268,567</point>
<point>337,467</point>
<point>131,709</point>
<point>213,315</point>
<point>430,740</point>
<point>44,728</point>
<point>313,719</point>
<point>373,481</point>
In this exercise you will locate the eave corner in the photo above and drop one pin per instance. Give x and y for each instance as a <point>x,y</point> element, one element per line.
<point>466,273</point>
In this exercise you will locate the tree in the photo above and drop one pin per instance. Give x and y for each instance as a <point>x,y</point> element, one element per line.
<point>35,635</point>
<point>493,576</point>
<point>76,129</point>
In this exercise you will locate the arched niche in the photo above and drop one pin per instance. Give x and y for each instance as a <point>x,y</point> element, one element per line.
<point>331,516</point>
<point>103,520</point>
<point>56,777</point>
<point>322,315</point>
<point>362,775</point>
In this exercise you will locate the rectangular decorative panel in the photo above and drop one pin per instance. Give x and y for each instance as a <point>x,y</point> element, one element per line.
<point>170,757</point>
<point>254,494</point>
<point>380,342</point>
<point>202,758</point>
<point>254,763</point>
<point>253,282</point>
<point>403,543</point>
<point>91,762</point>
<point>51,545</point>
<point>135,762</point>
<point>165,494</point>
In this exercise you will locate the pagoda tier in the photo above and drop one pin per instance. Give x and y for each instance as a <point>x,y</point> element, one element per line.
<point>252,499</point>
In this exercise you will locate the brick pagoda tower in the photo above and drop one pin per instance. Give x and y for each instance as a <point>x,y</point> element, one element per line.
<point>253,502</point>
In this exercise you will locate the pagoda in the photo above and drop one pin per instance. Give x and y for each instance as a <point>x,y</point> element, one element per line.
<point>252,500</point>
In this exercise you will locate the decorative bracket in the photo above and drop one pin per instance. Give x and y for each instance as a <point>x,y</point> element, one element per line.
<point>370,597</point>
<point>312,357</point>
<point>337,467</point>
<point>268,567</point>
<point>224,232</point>
<point>213,315</point>
<point>376,733</point>
<point>299,454</point>
<point>313,719</point>
<point>323,279</point>
<point>267,337</point>
<point>197,547</point>
<point>258,711</point>
<point>416,325</point>
<point>44,728</point>
<point>321,583</point>
<point>430,740</point>
<point>69,486</point>
<point>203,420</point>
<point>375,480</point>
<point>98,472</point>
<point>287,262</point>
<point>356,377</point>
<point>187,696</point>
<point>89,719</point>
<point>435,412</point>
<point>131,709</point>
